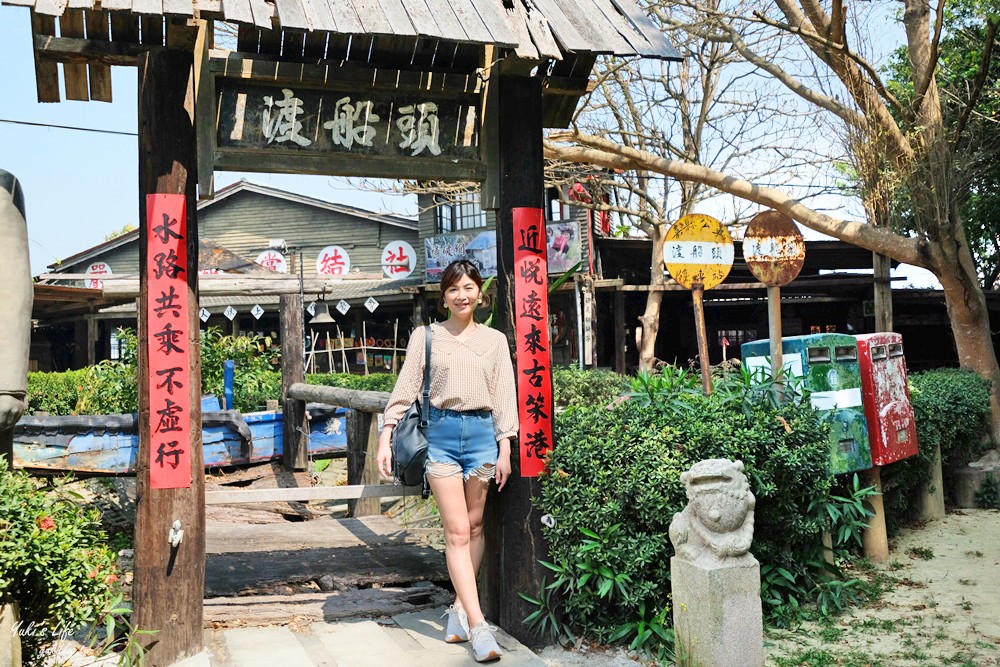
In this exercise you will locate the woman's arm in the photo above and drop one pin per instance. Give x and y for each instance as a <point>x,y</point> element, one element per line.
<point>408,387</point>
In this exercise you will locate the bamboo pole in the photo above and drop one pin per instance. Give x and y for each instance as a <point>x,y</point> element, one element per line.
<point>329,353</point>
<point>395,343</point>
<point>343,351</point>
<point>364,343</point>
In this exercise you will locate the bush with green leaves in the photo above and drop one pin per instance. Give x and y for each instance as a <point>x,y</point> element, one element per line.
<point>55,393</point>
<point>575,386</point>
<point>372,382</point>
<point>54,561</point>
<point>612,486</point>
<point>951,407</point>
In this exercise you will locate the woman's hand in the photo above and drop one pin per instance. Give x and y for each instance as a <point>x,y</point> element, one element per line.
<point>503,463</point>
<point>384,458</point>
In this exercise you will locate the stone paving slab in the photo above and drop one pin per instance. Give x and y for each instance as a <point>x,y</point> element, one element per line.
<point>413,639</point>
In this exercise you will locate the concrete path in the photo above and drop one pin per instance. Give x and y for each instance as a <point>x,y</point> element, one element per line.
<point>411,639</point>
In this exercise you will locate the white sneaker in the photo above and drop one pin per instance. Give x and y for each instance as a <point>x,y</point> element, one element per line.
<point>484,643</point>
<point>458,625</point>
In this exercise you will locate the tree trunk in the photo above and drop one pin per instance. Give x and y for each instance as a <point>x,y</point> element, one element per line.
<point>650,319</point>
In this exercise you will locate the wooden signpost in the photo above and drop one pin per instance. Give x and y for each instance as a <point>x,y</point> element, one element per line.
<point>774,252</point>
<point>698,253</point>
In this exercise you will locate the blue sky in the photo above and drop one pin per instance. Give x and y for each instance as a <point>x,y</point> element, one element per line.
<point>80,186</point>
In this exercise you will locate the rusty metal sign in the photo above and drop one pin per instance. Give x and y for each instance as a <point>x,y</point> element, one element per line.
<point>698,250</point>
<point>773,248</point>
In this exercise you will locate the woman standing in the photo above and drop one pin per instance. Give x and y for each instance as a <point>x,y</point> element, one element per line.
<point>473,417</point>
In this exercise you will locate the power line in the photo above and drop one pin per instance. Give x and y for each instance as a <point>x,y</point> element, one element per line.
<point>69,127</point>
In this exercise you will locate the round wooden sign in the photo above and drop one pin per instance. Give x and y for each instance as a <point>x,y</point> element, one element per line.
<point>698,249</point>
<point>773,248</point>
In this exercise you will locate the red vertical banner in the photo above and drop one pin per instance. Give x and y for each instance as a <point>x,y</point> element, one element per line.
<point>531,324</point>
<point>167,320</point>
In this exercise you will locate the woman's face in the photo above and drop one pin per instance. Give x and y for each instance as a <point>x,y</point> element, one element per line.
<point>461,297</point>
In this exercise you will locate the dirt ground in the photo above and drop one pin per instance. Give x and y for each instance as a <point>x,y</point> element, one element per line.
<point>943,610</point>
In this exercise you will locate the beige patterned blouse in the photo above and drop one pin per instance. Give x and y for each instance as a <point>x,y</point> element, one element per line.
<point>471,374</point>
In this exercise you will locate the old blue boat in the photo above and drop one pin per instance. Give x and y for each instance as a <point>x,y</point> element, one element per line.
<point>109,444</point>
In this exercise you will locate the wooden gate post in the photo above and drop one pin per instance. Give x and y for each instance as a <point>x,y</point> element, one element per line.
<point>169,581</point>
<point>512,525</point>
<point>294,424</point>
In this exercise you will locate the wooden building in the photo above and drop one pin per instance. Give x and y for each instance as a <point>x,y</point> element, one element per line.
<point>259,231</point>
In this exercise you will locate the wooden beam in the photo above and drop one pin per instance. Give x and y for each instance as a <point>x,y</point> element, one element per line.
<point>355,399</point>
<point>204,108</point>
<point>620,360</point>
<point>346,164</point>
<point>362,467</point>
<point>86,51</point>
<point>100,74</point>
<point>883,292</point>
<point>169,583</point>
<point>303,494</point>
<point>294,424</point>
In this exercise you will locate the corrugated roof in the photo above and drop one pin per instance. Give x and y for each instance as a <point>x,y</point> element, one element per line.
<point>532,28</point>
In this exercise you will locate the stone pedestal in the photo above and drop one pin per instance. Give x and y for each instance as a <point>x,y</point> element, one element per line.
<point>10,642</point>
<point>718,620</point>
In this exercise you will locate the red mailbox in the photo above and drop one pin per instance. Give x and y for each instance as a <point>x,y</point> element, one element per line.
<point>892,429</point>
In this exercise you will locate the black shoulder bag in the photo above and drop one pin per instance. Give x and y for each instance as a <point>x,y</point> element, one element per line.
<point>409,436</point>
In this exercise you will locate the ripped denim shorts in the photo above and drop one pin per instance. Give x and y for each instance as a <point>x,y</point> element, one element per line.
<point>461,442</point>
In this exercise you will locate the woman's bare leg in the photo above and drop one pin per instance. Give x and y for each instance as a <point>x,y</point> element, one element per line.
<point>476,491</point>
<point>449,492</point>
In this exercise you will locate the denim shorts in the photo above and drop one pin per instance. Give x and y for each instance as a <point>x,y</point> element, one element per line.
<point>461,442</point>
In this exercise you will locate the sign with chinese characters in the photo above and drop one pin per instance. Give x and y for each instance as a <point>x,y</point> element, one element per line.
<point>531,317</point>
<point>204,314</point>
<point>698,249</point>
<point>370,303</point>
<point>773,248</point>
<point>397,127</point>
<point>333,261</point>
<point>273,260</point>
<point>97,269</point>
<point>167,347</point>
<point>256,311</point>
<point>230,313</point>
<point>343,307</point>
<point>311,308</point>
<point>398,260</point>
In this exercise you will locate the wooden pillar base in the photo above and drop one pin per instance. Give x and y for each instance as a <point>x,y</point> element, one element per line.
<point>932,498</point>
<point>875,539</point>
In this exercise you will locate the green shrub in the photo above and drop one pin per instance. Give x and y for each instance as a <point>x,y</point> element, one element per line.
<point>573,386</point>
<point>373,382</point>
<point>55,393</point>
<point>952,408</point>
<point>613,485</point>
<point>53,560</point>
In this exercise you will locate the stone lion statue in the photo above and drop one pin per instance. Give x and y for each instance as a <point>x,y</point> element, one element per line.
<point>15,325</point>
<point>717,524</point>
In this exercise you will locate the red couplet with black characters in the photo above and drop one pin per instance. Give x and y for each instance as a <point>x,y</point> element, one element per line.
<point>167,327</point>
<point>531,318</point>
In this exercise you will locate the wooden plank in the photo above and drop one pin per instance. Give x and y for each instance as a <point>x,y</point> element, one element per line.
<point>496,21</point>
<point>291,14</point>
<point>50,7</point>
<point>474,27</point>
<point>80,4</point>
<point>169,581</point>
<point>346,16</point>
<point>152,7</point>
<point>355,399</point>
<point>20,3</point>
<point>98,26</point>
<point>152,30</point>
<point>67,49</point>
<point>525,49</point>
<point>270,42</point>
<point>204,110</point>
<point>399,20</point>
<point>542,35</point>
<point>338,47</point>
<point>565,32</point>
<point>262,15</point>
<point>124,27</point>
<point>362,468</point>
<point>46,72</point>
<point>292,44</point>
<point>116,6</point>
<point>237,11</point>
<point>588,16</point>
<point>310,493</point>
<point>634,37</point>
<point>448,22</point>
<point>319,15</point>
<point>180,35</point>
<point>349,165</point>
<point>208,7</point>
<point>178,7</point>
<point>247,38</point>
<point>295,426</point>
<point>315,48</point>
<point>421,19</point>
<point>100,75</point>
<point>373,19</point>
<point>645,25</point>
<point>74,75</point>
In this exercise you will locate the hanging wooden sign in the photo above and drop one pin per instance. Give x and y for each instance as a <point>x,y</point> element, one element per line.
<point>531,324</point>
<point>167,346</point>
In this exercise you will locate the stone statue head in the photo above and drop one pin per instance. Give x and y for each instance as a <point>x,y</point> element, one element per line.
<point>719,494</point>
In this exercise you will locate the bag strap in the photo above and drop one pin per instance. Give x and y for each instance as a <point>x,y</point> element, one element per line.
<point>425,403</point>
